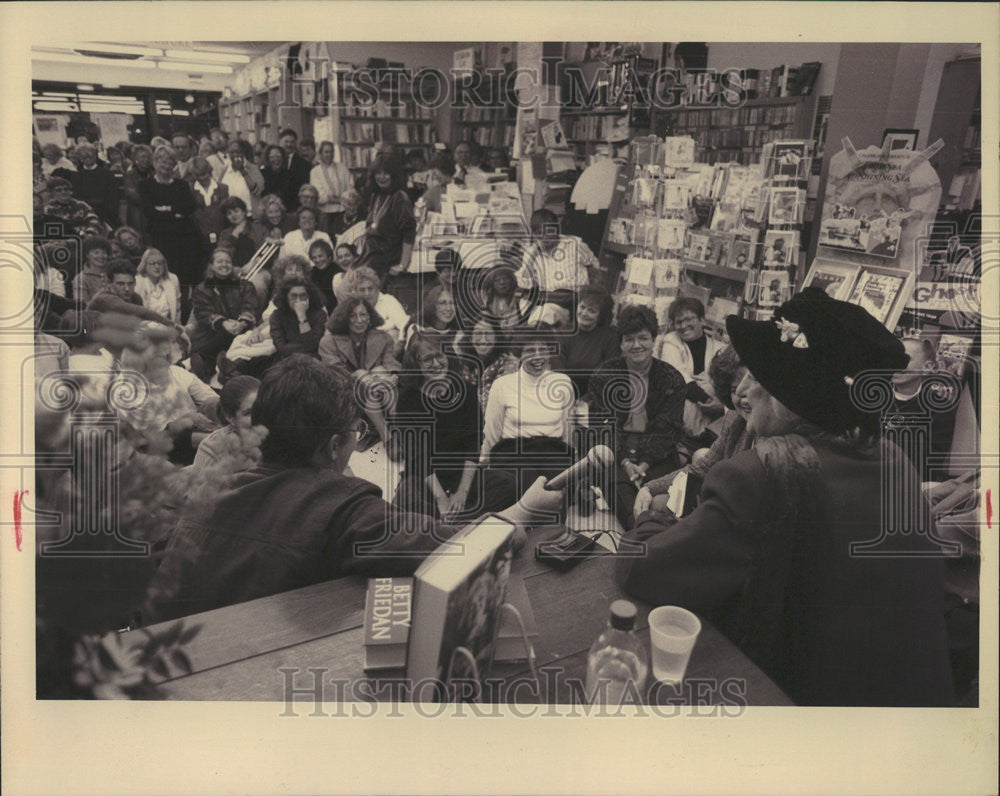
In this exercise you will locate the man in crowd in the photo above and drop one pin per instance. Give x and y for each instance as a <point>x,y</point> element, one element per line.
<point>299,168</point>
<point>465,163</point>
<point>185,151</point>
<point>94,184</point>
<point>141,169</point>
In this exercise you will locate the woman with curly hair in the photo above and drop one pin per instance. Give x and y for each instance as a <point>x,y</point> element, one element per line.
<point>298,321</point>
<point>593,340</point>
<point>391,227</point>
<point>354,342</point>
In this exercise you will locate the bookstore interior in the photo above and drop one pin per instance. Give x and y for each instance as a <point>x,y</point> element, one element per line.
<point>462,369</point>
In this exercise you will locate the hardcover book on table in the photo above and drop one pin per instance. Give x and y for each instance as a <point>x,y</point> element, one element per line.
<point>388,612</point>
<point>458,593</point>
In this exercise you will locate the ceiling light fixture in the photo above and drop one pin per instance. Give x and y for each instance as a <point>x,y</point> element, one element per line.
<point>73,58</point>
<point>200,55</point>
<point>116,49</point>
<point>176,66</point>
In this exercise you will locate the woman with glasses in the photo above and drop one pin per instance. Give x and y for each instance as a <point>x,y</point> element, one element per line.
<point>436,406</point>
<point>354,342</point>
<point>642,398</point>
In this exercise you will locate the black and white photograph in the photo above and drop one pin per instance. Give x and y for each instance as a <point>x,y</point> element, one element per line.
<point>349,381</point>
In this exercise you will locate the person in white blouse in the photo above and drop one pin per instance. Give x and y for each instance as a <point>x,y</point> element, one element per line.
<point>159,289</point>
<point>528,425</point>
<point>299,240</point>
<point>330,179</point>
<point>395,317</point>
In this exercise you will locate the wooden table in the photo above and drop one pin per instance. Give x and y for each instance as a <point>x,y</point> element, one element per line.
<point>241,650</point>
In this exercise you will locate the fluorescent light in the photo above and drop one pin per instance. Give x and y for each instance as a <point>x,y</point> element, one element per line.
<point>200,55</point>
<point>120,49</point>
<point>56,106</point>
<point>110,85</point>
<point>84,87</point>
<point>195,67</point>
<point>67,58</point>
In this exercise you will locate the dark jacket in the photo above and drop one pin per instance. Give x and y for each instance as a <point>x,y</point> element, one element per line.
<point>98,187</point>
<point>208,218</point>
<point>289,340</point>
<point>276,529</point>
<point>336,349</point>
<point>216,300</point>
<point>608,396</point>
<point>583,353</point>
<point>244,245</point>
<point>846,629</point>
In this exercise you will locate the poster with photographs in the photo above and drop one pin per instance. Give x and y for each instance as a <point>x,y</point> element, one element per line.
<point>834,278</point>
<point>775,287</point>
<point>879,292</point>
<point>789,161</point>
<point>786,206</point>
<point>780,248</point>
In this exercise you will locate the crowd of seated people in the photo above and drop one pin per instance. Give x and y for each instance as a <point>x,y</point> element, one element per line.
<point>505,376</point>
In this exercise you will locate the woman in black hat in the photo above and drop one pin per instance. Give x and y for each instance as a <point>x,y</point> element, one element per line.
<point>785,552</point>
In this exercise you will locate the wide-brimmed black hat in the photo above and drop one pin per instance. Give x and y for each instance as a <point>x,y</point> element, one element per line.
<point>812,351</point>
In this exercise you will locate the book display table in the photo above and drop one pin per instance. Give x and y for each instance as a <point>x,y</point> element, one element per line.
<point>241,650</point>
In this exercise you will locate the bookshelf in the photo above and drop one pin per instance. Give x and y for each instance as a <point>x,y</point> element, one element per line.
<point>607,114</point>
<point>491,125</point>
<point>738,134</point>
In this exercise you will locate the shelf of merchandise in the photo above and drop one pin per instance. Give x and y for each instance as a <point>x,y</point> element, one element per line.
<point>737,134</point>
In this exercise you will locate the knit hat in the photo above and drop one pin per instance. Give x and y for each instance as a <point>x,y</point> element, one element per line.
<point>810,354</point>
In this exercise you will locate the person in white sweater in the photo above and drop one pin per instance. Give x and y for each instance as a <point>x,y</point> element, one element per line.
<point>299,240</point>
<point>528,428</point>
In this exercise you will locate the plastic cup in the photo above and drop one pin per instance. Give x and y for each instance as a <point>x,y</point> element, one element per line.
<point>672,633</point>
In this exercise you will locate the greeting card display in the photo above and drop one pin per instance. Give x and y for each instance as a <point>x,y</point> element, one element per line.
<point>698,245</point>
<point>786,206</point>
<point>718,250</point>
<point>678,151</point>
<point>835,278</point>
<point>670,234</point>
<point>882,292</point>
<point>788,160</point>
<point>741,254</point>
<point>666,278</point>
<point>780,248</point>
<point>774,287</point>
<point>675,195</point>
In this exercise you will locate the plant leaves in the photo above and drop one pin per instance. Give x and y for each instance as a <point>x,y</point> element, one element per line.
<point>189,634</point>
<point>182,661</point>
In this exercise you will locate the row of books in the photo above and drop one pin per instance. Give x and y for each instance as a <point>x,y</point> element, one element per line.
<point>487,136</point>
<point>368,132</point>
<point>475,113</point>
<point>402,109</point>
<point>592,128</point>
<point>728,117</point>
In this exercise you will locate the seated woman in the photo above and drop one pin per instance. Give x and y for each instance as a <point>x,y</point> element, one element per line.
<point>224,306</point>
<point>554,262</point>
<point>433,398</point>
<point>299,320</point>
<point>690,350</point>
<point>593,340</point>
<point>252,352</point>
<point>394,318</point>
<point>352,214</point>
<point>786,552</point>
<point>500,305</point>
<point>276,222</point>
<point>180,409</point>
<point>345,283</point>
<point>482,356</point>
<point>642,398</point>
<point>233,446</point>
<point>243,237</point>
<point>298,240</point>
<point>130,242</point>
<point>324,270</point>
<point>159,289</point>
<point>528,428</point>
<point>726,373</point>
<point>437,319</point>
<point>354,342</point>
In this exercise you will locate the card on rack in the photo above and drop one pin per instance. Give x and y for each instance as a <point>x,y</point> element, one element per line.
<point>786,206</point>
<point>670,234</point>
<point>666,277</point>
<point>640,276</point>
<point>725,217</point>
<point>675,195</point>
<point>774,287</point>
<point>741,254</point>
<point>678,151</point>
<point>720,247</point>
<point>780,248</point>
<point>789,161</point>
<point>698,245</point>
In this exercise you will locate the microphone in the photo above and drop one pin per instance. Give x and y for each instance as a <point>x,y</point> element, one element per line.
<point>599,456</point>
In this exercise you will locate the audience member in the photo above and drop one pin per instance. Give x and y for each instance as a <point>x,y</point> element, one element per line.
<point>298,240</point>
<point>351,215</point>
<point>209,196</point>
<point>61,205</point>
<point>236,400</point>
<point>297,167</point>
<point>593,340</point>
<point>242,178</point>
<point>93,278</point>
<point>299,320</point>
<point>184,151</point>
<point>277,179</point>
<point>159,289</point>
<point>141,169</point>
<point>391,228</point>
<point>331,180</point>
<point>324,271</point>
<point>394,317</point>
<point>94,184</point>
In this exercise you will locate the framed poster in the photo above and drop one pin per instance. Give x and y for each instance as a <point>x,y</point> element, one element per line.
<point>833,277</point>
<point>883,292</point>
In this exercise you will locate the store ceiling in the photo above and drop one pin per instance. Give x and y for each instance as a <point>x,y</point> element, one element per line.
<point>184,56</point>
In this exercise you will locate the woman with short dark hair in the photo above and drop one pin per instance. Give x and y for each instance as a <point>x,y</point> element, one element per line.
<point>593,340</point>
<point>643,398</point>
